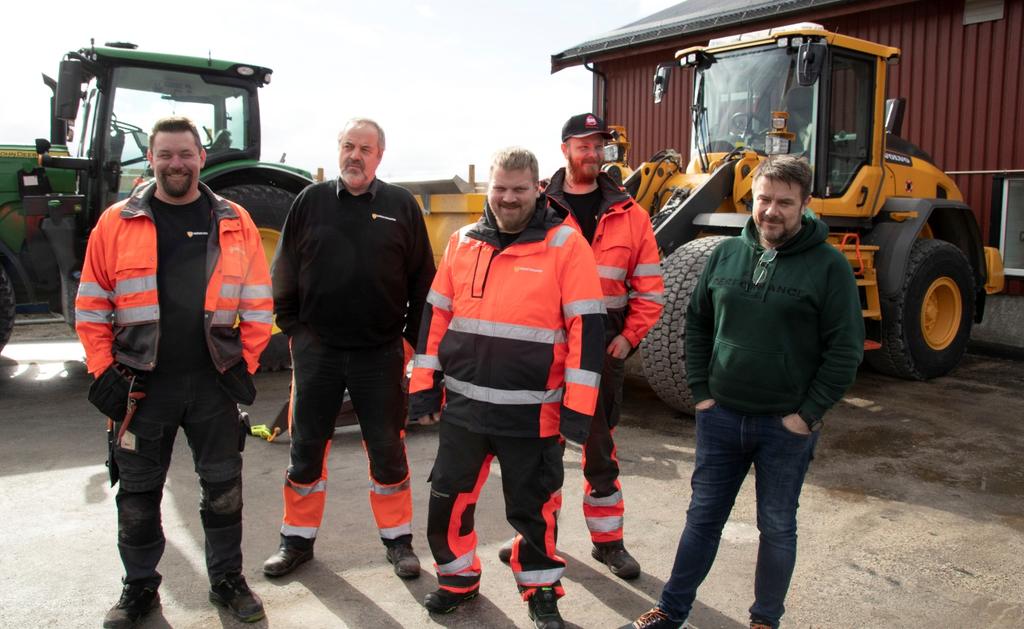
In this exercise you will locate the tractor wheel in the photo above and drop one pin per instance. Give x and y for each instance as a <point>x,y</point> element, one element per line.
<point>68,294</point>
<point>7,304</point>
<point>268,206</point>
<point>926,327</point>
<point>663,352</point>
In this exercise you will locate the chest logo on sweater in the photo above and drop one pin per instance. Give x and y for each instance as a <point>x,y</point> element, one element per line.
<point>375,216</point>
<point>747,286</point>
<point>194,234</point>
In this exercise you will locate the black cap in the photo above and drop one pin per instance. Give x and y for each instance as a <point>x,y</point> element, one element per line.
<point>582,125</point>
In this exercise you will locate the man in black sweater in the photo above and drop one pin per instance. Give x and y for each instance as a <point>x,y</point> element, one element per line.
<point>350,276</point>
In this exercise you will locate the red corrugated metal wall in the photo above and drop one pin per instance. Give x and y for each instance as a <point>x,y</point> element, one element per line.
<point>964,87</point>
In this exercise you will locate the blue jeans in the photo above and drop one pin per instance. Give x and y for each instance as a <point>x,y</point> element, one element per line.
<point>727,444</point>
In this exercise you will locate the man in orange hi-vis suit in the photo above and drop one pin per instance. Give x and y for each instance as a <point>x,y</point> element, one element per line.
<point>510,352</point>
<point>174,309</point>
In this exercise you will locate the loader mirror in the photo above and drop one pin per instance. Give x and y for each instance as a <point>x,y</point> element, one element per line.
<point>810,60</point>
<point>69,90</point>
<point>661,76</point>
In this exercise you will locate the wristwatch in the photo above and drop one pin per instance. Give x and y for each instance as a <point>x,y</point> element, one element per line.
<point>814,423</point>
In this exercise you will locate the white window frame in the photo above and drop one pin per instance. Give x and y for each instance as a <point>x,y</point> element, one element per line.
<point>1003,236</point>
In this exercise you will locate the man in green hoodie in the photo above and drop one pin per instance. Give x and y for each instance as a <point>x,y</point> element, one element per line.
<point>774,335</point>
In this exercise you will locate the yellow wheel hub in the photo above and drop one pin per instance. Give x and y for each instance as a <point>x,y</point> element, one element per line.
<point>269,238</point>
<point>940,313</point>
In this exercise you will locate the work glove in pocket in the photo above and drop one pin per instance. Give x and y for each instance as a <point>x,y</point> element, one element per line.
<point>109,393</point>
<point>238,384</point>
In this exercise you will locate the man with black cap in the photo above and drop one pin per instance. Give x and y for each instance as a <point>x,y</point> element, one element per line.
<point>619,232</point>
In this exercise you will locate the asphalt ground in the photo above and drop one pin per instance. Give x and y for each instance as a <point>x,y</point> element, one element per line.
<point>912,514</point>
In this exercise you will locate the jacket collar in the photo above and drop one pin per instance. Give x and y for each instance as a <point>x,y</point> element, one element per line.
<point>613,197</point>
<point>544,218</point>
<point>139,204</point>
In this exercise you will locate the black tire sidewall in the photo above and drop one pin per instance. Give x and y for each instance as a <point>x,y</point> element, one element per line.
<point>942,260</point>
<point>8,305</point>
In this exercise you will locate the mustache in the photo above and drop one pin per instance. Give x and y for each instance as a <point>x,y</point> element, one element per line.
<point>354,163</point>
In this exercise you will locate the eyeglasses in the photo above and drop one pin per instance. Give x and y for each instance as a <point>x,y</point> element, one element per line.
<point>761,269</point>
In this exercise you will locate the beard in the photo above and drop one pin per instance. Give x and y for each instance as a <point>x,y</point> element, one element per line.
<point>176,188</point>
<point>583,172</point>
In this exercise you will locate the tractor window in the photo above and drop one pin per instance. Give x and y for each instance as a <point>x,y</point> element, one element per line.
<point>142,96</point>
<point>849,120</point>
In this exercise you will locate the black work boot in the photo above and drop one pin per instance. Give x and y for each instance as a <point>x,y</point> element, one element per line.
<point>442,601</point>
<point>405,561</point>
<point>234,593</point>
<point>136,601</point>
<point>543,605</point>
<point>286,559</point>
<point>618,560</point>
<point>505,552</point>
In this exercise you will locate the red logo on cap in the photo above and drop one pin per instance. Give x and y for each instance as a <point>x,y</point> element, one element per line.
<point>591,121</point>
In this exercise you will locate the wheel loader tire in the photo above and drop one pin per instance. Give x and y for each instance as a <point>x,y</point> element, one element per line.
<point>68,294</point>
<point>7,304</point>
<point>268,205</point>
<point>925,329</point>
<point>663,352</point>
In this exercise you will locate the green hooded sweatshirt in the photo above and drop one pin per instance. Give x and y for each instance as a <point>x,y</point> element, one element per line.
<point>791,343</point>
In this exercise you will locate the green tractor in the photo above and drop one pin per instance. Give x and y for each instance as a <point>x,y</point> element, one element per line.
<point>107,98</point>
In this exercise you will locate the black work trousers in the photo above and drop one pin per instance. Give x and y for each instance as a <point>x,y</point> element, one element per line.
<point>373,377</point>
<point>603,506</point>
<point>196,403</point>
<point>531,479</point>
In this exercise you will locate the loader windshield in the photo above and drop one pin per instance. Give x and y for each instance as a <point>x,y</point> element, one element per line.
<point>741,89</point>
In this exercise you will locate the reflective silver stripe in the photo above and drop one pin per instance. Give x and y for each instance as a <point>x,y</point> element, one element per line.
<point>647,270</point>
<point>616,301</point>
<point>458,564</point>
<point>92,289</point>
<point>507,330</point>
<point>388,490</point>
<point>93,316</point>
<point>139,314</point>
<point>135,285</point>
<point>561,235</point>
<point>224,317</point>
<point>611,272</point>
<point>501,396</point>
<point>658,298</point>
<point>582,376</point>
<point>257,291</point>
<point>583,307</point>
<point>230,291</point>
<point>258,316</point>
<point>539,577</point>
<point>435,298</point>
<point>309,532</point>
<point>606,501</point>
<point>426,361</point>
<point>396,531</point>
<point>604,525</point>
<point>318,487</point>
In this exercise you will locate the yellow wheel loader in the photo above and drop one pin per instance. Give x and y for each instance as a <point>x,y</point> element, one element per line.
<point>915,246</point>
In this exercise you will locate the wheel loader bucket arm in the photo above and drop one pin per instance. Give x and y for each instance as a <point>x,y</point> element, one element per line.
<point>677,227</point>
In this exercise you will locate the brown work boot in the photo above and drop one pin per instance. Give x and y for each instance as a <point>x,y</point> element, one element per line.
<point>136,601</point>
<point>407,564</point>
<point>654,619</point>
<point>618,560</point>
<point>286,559</point>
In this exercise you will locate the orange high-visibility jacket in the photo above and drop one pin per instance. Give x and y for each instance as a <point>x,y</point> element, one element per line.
<point>117,313</point>
<point>516,333</point>
<point>626,254</point>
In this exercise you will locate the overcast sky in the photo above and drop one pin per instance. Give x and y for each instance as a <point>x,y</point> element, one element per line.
<point>450,81</point>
